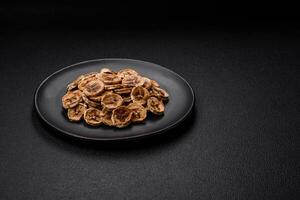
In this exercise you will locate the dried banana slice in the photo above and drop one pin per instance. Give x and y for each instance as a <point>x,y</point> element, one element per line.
<point>154,83</point>
<point>87,78</point>
<point>127,99</point>
<point>71,99</point>
<point>74,84</point>
<point>126,72</point>
<point>76,113</point>
<point>159,93</point>
<point>99,97</point>
<point>147,83</point>
<point>96,98</point>
<point>90,103</point>
<point>139,112</point>
<point>126,90</point>
<point>93,88</point>
<point>92,116</point>
<point>106,117</point>
<point>139,94</point>
<point>109,78</point>
<point>121,116</point>
<point>103,70</point>
<point>132,81</point>
<point>106,92</point>
<point>155,106</point>
<point>111,101</point>
<point>112,87</point>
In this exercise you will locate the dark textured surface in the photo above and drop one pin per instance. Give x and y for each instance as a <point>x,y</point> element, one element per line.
<point>242,141</point>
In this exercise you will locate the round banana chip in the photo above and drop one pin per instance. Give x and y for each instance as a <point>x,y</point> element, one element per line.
<point>87,78</point>
<point>121,116</point>
<point>109,78</point>
<point>92,116</point>
<point>74,84</point>
<point>127,99</point>
<point>155,106</point>
<point>159,93</point>
<point>106,117</point>
<point>132,81</point>
<point>147,83</point>
<point>106,92</point>
<point>103,70</point>
<point>126,90</point>
<point>76,113</point>
<point>111,101</point>
<point>93,88</point>
<point>71,99</point>
<point>139,94</point>
<point>99,97</point>
<point>90,103</point>
<point>96,98</point>
<point>112,87</point>
<point>154,83</point>
<point>126,72</point>
<point>139,112</point>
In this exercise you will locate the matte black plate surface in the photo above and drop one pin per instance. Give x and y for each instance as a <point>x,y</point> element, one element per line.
<point>48,100</point>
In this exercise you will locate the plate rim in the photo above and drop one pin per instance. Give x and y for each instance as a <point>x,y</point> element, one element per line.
<point>171,126</point>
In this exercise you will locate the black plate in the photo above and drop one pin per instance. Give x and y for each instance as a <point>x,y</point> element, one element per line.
<point>48,95</point>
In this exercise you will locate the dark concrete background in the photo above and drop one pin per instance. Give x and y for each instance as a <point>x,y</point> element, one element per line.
<point>241,141</point>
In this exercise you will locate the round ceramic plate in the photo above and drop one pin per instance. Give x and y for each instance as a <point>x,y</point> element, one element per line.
<point>48,96</point>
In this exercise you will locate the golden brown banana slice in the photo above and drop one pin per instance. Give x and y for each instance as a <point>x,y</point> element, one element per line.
<point>126,90</point>
<point>139,94</point>
<point>154,83</point>
<point>76,113</point>
<point>109,78</point>
<point>121,116</point>
<point>92,116</point>
<point>159,93</point>
<point>112,87</point>
<point>126,72</point>
<point>106,92</point>
<point>127,99</point>
<point>139,112</point>
<point>106,117</point>
<point>93,88</point>
<point>74,84</point>
<point>99,97</point>
<point>111,101</point>
<point>87,78</point>
<point>103,70</point>
<point>96,98</point>
<point>90,103</point>
<point>155,106</point>
<point>132,81</point>
<point>147,83</point>
<point>71,99</point>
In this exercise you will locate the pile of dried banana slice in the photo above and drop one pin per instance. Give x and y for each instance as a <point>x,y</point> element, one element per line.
<point>113,98</point>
